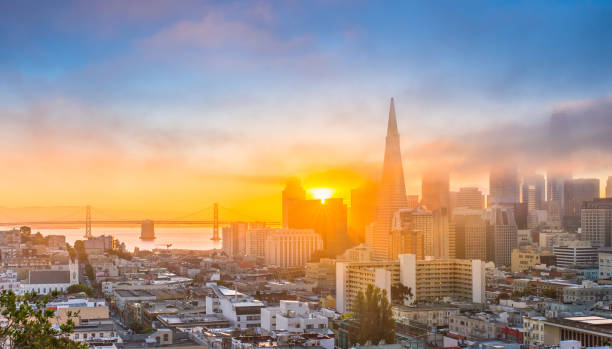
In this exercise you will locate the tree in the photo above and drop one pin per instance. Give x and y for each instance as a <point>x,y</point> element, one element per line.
<point>373,311</point>
<point>28,324</point>
<point>401,293</point>
<point>79,288</point>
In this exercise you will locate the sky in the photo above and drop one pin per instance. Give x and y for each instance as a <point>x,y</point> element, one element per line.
<point>161,107</point>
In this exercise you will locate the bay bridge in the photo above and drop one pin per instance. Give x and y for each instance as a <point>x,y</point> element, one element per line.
<point>147,224</point>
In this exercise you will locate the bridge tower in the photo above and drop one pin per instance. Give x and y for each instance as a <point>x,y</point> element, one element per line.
<point>215,236</point>
<point>88,222</point>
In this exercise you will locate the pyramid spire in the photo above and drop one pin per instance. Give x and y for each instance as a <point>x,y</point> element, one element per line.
<point>392,124</point>
<point>392,192</point>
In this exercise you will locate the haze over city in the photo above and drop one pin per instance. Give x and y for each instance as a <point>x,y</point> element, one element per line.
<point>161,109</point>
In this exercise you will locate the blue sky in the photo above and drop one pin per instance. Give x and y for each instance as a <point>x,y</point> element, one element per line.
<point>217,82</point>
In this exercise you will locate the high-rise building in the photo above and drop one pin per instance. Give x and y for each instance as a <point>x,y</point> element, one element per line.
<point>328,219</point>
<point>501,236</point>
<point>412,232</point>
<point>456,279</point>
<point>559,152</point>
<point>435,190</point>
<point>392,191</point>
<point>432,280</point>
<point>234,239</point>
<point>293,192</point>
<point>504,187</point>
<point>408,232</point>
<point>470,197</point>
<point>287,248</point>
<point>575,192</point>
<point>362,211</point>
<point>256,242</point>
<point>533,190</point>
<point>413,201</point>
<point>609,187</point>
<point>596,222</point>
<point>470,234</point>
<point>443,234</point>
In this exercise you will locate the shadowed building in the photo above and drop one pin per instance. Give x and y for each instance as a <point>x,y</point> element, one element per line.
<point>435,188</point>
<point>362,211</point>
<point>328,219</point>
<point>575,192</point>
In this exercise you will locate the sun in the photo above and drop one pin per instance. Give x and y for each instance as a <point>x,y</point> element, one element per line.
<point>321,193</point>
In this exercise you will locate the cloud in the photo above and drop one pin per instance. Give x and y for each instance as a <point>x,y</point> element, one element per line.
<point>532,146</point>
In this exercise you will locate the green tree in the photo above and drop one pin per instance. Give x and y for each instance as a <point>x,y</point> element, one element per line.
<point>373,311</point>
<point>400,293</point>
<point>79,288</point>
<point>28,323</point>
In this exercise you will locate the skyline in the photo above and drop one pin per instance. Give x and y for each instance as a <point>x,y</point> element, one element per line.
<point>158,108</point>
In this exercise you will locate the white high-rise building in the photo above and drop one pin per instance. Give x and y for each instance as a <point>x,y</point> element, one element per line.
<point>287,248</point>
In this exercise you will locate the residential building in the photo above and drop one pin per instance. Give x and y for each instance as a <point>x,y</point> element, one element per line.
<point>352,277</point>
<point>292,316</point>
<point>430,314</point>
<point>438,279</point>
<point>443,237</point>
<point>256,242</point>
<point>234,239</point>
<point>605,263</point>
<point>287,248</point>
<point>240,310</point>
<point>533,330</point>
<point>478,326</point>
<point>587,293</point>
<point>322,273</point>
<point>528,257</point>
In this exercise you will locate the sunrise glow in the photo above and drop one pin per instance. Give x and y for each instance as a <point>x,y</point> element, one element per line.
<point>321,193</point>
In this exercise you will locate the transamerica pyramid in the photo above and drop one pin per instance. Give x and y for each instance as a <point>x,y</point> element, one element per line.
<point>392,192</point>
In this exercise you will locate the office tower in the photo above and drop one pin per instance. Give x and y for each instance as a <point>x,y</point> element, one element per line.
<point>392,191</point>
<point>413,201</point>
<point>435,190</point>
<point>234,239</point>
<point>328,219</point>
<point>559,153</point>
<point>521,215</point>
<point>575,253</point>
<point>443,234</point>
<point>501,236</point>
<point>575,192</point>
<point>430,280</point>
<point>533,190</point>
<point>596,222</point>
<point>293,192</point>
<point>470,197</point>
<point>408,231</point>
<point>286,248</point>
<point>609,187</point>
<point>412,232</point>
<point>470,234</point>
<point>362,211</point>
<point>504,187</point>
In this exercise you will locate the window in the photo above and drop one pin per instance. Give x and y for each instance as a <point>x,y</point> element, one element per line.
<point>165,337</point>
